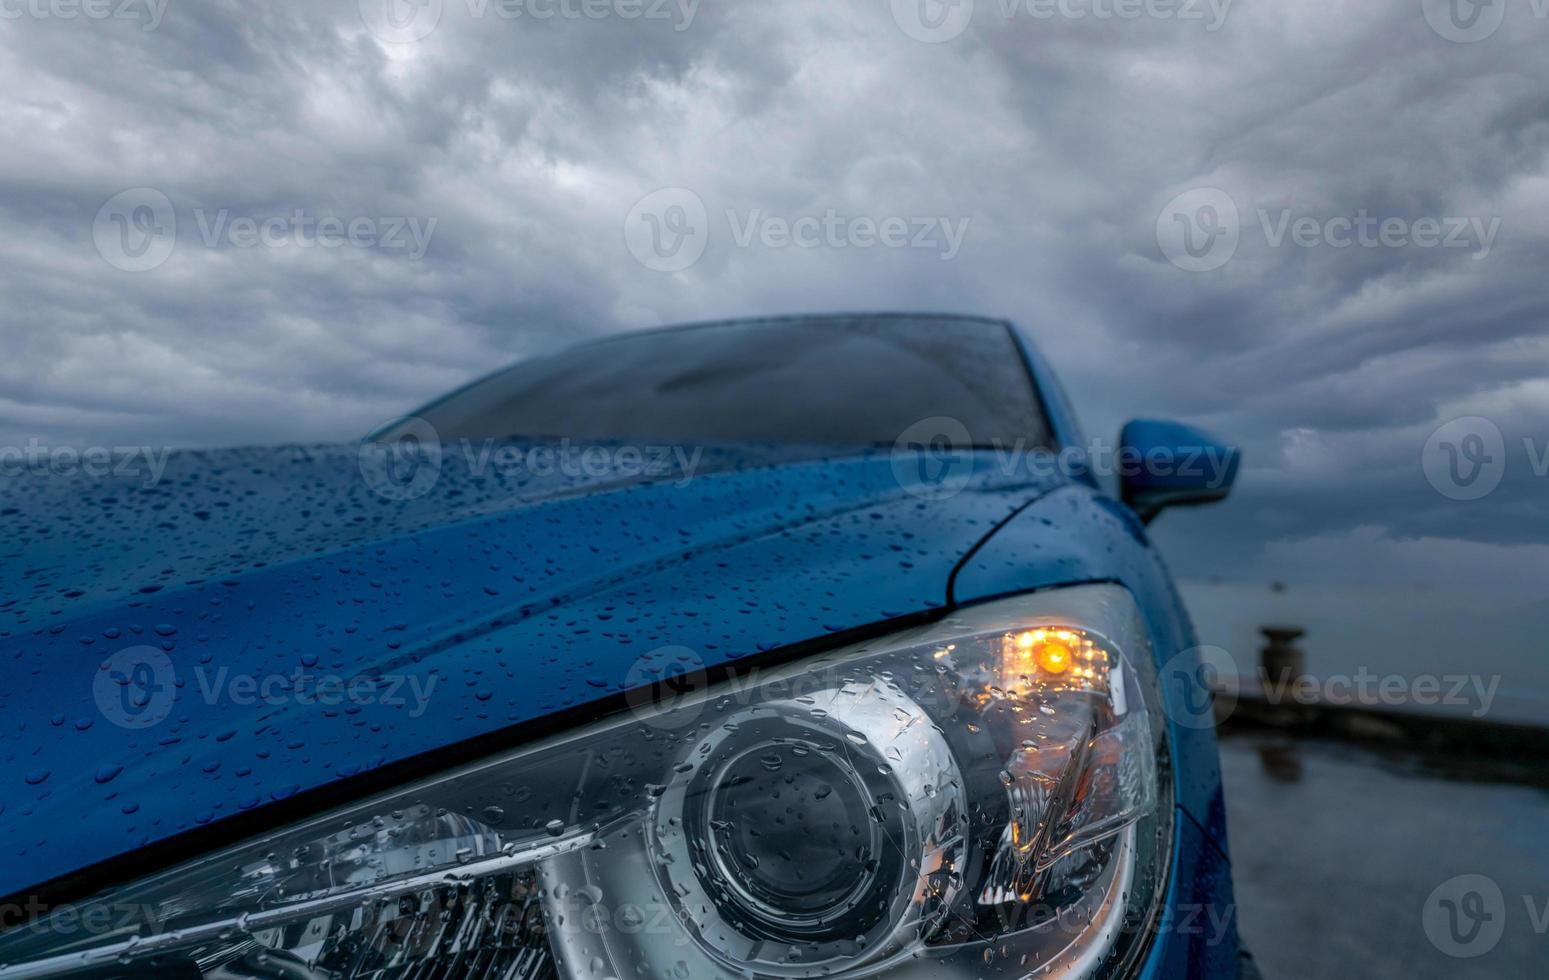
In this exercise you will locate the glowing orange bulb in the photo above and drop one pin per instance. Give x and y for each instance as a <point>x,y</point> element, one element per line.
<point>1053,658</point>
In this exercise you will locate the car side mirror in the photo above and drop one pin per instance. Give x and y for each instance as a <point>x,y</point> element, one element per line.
<point>1168,464</point>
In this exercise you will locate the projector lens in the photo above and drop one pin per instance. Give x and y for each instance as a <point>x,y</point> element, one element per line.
<point>799,832</point>
<point>790,829</point>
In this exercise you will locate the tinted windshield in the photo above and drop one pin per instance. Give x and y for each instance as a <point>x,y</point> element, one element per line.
<point>834,381</point>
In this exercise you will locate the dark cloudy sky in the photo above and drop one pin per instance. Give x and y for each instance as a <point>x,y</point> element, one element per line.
<point>1054,138</point>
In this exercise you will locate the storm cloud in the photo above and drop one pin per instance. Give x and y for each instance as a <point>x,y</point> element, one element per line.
<point>1319,228</point>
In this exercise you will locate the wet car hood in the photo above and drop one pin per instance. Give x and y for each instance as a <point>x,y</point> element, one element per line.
<point>285,625</point>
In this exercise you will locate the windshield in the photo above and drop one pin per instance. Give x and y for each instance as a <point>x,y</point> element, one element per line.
<point>824,380</point>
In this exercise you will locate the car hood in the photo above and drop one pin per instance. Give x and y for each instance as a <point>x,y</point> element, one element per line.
<point>253,624</point>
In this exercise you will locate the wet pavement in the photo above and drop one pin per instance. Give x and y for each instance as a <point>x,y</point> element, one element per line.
<point>1350,863</point>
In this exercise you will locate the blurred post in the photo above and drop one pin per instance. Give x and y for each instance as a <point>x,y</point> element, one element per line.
<point>1282,664</point>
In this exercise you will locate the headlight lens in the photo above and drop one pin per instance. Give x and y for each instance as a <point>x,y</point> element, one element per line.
<point>985,796</point>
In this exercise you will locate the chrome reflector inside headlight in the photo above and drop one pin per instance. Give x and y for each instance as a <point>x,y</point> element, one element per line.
<point>985,796</point>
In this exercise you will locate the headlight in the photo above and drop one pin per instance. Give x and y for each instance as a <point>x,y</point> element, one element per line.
<point>985,796</point>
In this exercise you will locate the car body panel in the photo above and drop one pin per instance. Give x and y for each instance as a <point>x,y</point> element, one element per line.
<point>498,599</point>
<point>1196,936</point>
<point>529,601</point>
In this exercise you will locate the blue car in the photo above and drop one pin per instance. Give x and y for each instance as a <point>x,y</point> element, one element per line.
<point>787,647</point>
